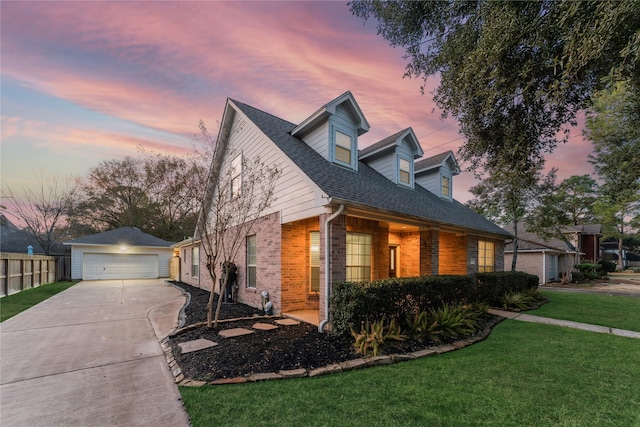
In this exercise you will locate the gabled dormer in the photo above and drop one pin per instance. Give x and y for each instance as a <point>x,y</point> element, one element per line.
<point>393,157</point>
<point>436,174</point>
<point>334,129</point>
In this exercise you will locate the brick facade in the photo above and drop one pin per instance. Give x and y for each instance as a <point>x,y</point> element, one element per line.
<point>452,254</point>
<point>296,265</point>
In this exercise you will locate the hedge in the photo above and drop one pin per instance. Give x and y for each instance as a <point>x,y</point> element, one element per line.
<point>356,303</point>
<point>490,287</point>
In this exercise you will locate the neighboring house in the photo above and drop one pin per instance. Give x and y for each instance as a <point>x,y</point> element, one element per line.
<point>610,253</point>
<point>549,259</point>
<point>586,239</point>
<point>344,214</point>
<point>17,241</point>
<point>123,253</point>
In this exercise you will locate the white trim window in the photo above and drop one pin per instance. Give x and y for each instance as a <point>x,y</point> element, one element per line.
<point>445,189</point>
<point>343,150</point>
<point>314,261</point>
<point>486,256</point>
<point>404,172</point>
<point>251,261</point>
<point>358,257</point>
<point>195,261</point>
<point>236,176</point>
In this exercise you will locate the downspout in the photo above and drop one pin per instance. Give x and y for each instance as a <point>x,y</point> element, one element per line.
<point>327,266</point>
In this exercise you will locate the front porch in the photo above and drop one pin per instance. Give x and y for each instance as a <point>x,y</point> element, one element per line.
<point>364,249</point>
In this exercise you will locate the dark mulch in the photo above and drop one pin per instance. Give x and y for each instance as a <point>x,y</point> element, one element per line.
<point>285,348</point>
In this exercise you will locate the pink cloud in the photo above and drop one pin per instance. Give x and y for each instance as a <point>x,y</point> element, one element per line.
<point>165,65</point>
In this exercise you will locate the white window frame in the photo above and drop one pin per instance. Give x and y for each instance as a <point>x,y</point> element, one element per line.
<point>359,253</point>
<point>314,260</point>
<point>409,171</point>
<point>486,254</point>
<point>252,270</point>
<point>449,194</point>
<point>353,153</point>
<point>236,176</point>
<point>195,261</point>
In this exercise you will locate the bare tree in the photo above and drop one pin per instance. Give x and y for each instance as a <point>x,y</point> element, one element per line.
<point>239,191</point>
<point>43,210</point>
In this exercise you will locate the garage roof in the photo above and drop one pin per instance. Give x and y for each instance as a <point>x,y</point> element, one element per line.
<point>129,236</point>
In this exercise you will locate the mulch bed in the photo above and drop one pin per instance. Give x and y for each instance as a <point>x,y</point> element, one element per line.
<point>286,348</point>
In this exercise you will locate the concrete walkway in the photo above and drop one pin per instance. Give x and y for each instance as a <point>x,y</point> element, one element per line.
<point>565,323</point>
<point>90,356</point>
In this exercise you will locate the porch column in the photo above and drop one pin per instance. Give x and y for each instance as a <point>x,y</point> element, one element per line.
<point>429,250</point>
<point>338,255</point>
<point>472,254</point>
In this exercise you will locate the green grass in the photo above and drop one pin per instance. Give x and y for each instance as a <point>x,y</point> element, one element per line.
<point>16,303</point>
<point>524,374</point>
<point>597,309</point>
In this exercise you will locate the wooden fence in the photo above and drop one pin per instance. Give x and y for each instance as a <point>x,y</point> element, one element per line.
<point>19,272</point>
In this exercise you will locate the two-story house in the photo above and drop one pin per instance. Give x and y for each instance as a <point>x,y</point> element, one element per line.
<point>346,214</point>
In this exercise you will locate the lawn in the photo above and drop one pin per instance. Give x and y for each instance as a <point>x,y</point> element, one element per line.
<point>524,374</point>
<point>14,304</point>
<point>597,309</point>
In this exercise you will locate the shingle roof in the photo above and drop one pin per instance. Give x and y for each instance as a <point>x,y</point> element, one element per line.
<point>584,228</point>
<point>366,187</point>
<point>388,141</point>
<point>530,241</point>
<point>129,236</point>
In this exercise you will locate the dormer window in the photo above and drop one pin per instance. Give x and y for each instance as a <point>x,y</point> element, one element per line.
<point>446,187</point>
<point>404,171</point>
<point>344,147</point>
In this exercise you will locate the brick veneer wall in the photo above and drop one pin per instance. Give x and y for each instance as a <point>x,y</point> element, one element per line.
<point>453,254</point>
<point>429,252</point>
<point>296,266</point>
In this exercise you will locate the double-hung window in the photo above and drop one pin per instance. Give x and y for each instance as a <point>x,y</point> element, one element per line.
<point>404,171</point>
<point>314,261</point>
<point>343,148</point>
<point>195,261</point>
<point>446,187</point>
<point>358,257</point>
<point>236,176</point>
<point>486,256</point>
<point>251,261</point>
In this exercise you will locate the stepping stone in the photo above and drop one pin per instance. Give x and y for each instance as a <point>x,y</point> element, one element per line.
<point>235,332</point>
<point>264,326</point>
<point>287,322</point>
<point>195,345</point>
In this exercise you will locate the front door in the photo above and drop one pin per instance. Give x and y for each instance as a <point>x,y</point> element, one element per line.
<point>393,260</point>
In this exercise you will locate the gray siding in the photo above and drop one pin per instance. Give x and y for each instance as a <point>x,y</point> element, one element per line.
<point>295,195</point>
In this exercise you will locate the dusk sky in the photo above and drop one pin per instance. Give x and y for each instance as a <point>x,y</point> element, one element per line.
<point>83,82</point>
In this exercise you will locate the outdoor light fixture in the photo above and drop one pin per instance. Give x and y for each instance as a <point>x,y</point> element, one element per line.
<point>123,248</point>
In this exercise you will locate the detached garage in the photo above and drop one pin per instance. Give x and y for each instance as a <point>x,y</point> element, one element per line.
<point>123,253</point>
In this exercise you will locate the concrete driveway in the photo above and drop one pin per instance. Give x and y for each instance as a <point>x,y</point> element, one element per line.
<point>90,356</point>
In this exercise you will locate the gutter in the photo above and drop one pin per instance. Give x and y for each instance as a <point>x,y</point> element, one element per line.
<point>327,266</point>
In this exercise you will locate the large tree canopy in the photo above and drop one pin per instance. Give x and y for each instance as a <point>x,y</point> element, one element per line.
<point>526,66</point>
<point>613,125</point>
<point>159,194</point>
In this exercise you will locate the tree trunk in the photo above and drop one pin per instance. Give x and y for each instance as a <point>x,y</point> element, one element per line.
<point>223,285</point>
<point>620,266</point>
<point>212,274</point>
<point>514,260</point>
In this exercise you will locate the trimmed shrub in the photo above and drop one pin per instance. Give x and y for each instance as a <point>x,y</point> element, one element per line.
<point>607,266</point>
<point>491,287</point>
<point>589,269</point>
<point>359,303</point>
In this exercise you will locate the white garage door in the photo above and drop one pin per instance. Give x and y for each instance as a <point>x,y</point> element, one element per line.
<point>119,266</point>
